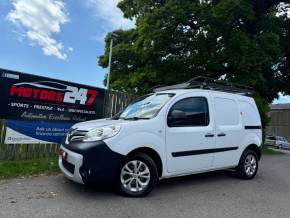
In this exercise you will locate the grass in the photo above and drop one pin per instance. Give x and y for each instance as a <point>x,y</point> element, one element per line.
<point>11,169</point>
<point>269,151</point>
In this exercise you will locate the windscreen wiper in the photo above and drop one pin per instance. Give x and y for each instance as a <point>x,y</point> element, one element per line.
<point>135,118</point>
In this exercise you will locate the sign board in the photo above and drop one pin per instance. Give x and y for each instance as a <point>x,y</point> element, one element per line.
<point>41,110</point>
<point>34,132</point>
<point>29,97</point>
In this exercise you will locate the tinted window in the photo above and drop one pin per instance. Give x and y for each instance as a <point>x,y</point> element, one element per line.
<point>196,112</point>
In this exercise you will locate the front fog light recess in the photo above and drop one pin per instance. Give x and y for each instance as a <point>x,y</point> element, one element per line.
<point>102,133</point>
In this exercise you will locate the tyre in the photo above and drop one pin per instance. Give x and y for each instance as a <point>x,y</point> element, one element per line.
<point>138,176</point>
<point>248,165</point>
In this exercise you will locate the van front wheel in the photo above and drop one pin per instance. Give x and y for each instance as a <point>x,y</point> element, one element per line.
<point>138,176</point>
<point>248,165</point>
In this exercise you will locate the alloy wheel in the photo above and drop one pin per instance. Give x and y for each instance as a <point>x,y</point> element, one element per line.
<point>250,165</point>
<point>135,176</point>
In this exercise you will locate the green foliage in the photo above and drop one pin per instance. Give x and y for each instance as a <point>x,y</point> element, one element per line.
<point>264,110</point>
<point>175,40</point>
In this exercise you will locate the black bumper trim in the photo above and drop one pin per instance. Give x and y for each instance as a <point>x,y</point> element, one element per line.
<point>100,165</point>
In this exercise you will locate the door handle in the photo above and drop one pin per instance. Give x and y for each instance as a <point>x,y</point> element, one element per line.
<point>209,135</point>
<point>221,134</point>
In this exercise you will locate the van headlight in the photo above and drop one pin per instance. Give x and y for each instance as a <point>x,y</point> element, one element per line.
<point>102,133</point>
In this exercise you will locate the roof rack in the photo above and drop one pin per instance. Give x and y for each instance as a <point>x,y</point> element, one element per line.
<point>201,82</point>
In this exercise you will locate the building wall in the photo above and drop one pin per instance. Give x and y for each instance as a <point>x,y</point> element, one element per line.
<point>280,123</point>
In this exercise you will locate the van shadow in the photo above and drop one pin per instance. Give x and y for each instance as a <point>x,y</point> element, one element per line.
<point>201,178</point>
<point>172,184</point>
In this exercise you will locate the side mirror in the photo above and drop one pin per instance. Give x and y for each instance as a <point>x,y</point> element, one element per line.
<point>175,117</point>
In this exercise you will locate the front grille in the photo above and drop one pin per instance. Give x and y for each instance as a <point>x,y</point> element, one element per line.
<point>75,135</point>
<point>68,166</point>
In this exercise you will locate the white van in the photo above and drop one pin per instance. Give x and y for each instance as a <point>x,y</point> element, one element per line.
<point>195,127</point>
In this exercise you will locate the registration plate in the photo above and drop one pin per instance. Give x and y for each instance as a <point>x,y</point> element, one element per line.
<point>63,154</point>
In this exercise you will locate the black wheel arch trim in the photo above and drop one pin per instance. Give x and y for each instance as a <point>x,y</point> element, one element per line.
<point>255,148</point>
<point>153,154</point>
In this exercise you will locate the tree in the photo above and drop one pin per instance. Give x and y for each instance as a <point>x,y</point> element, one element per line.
<point>174,40</point>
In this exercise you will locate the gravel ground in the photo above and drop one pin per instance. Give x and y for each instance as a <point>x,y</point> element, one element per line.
<point>217,194</point>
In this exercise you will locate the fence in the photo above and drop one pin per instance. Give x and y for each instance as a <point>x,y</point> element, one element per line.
<point>114,102</point>
<point>280,123</point>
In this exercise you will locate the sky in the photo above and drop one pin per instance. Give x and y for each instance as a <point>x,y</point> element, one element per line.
<point>57,38</point>
<point>60,39</point>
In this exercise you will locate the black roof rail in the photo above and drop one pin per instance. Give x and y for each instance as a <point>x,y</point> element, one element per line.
<point>152,89</point>
<point>201,82</point>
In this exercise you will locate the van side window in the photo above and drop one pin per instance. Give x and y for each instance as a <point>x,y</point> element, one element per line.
<point>190,112</point>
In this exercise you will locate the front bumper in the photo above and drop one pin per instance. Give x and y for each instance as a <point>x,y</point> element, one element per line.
<point>71,166</point>
<point>90,162</point>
